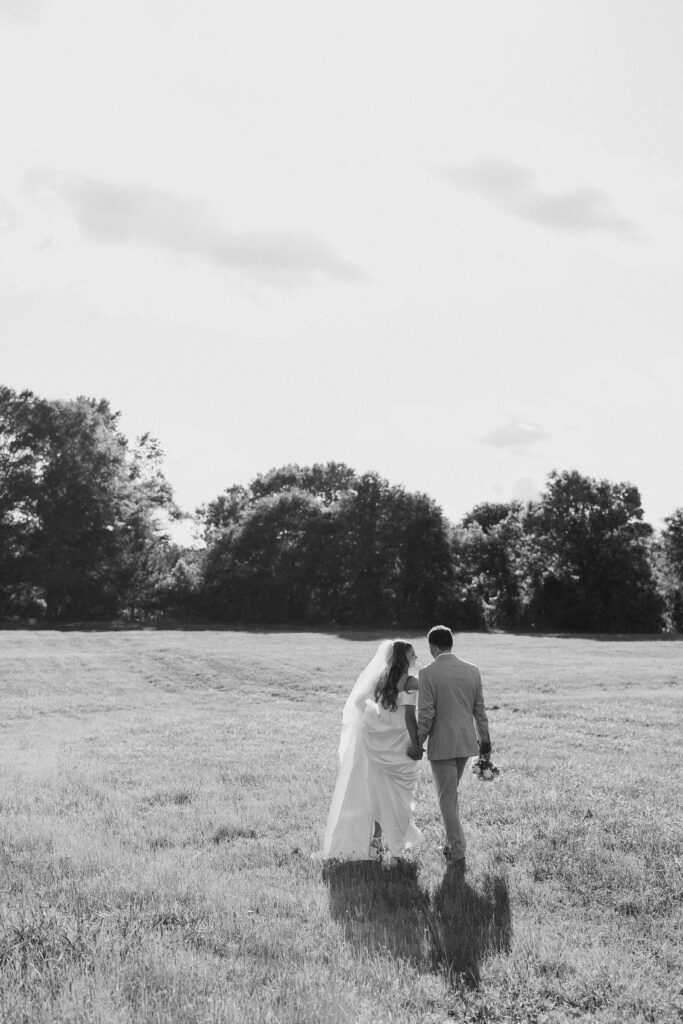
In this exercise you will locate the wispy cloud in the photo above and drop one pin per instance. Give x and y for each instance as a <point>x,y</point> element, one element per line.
<point>514,189</point>
<point>514,435</point>
<point>121,214</point>
<point>21,9</point>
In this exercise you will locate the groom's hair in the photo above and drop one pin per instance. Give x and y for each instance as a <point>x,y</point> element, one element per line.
<point>441,637</point>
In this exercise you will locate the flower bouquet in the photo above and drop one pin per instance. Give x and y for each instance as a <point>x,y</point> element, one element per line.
<point>484,768</point>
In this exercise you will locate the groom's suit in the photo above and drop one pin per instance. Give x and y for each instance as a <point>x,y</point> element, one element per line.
<point>450,706</point>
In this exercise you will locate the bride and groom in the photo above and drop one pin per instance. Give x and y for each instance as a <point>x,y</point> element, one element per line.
<point>387,718</point>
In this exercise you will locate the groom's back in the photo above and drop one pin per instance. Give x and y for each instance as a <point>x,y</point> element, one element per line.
<point>455,688</point>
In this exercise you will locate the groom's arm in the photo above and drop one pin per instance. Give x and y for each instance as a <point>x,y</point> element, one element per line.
<point>481,721</point>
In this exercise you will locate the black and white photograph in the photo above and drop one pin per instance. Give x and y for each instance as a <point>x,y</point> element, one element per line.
<point>341,511</point>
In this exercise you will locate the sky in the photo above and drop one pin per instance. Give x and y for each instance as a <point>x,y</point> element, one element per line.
<point>437,240</point>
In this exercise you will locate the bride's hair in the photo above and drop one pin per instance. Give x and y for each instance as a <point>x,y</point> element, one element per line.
<point>386,690</point>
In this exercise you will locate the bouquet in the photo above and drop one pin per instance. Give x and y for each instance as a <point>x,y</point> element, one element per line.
<point>484,768</point>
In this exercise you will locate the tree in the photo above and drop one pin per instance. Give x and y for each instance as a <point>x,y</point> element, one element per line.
<point>223,512</point>
<point>594,573</point>
<point>499,552</point>
<point>395,556</point>
<point>145,551</point>
<point>77,507</point>
<point>177,591</point>
<point>252,533</point>
<point>264,566</point>
<point>322,544</point>
<point>489,514</point>
<point>327,483</point>
<point>22,453</point>
<point>668,555</point>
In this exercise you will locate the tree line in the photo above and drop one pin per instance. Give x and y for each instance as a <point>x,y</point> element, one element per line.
<point>84,518</point>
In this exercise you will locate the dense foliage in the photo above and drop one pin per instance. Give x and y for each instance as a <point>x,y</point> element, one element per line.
<point>79,511</point>
<point>593,547</point>
<point>82,538</point>
<point>668,559</point>
<point>323,544</point>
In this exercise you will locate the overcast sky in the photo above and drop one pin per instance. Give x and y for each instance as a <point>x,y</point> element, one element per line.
<point>440,240</point>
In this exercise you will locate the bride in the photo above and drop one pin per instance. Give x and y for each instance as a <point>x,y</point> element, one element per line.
<point>374,797</point>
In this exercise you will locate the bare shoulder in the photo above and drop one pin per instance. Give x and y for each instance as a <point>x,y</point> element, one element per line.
<point>407,684</point>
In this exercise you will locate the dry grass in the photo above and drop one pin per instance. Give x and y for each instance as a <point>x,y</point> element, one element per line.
<point>161,795</point>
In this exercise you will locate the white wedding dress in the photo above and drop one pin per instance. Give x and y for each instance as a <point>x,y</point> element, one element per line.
<point>376,781</point>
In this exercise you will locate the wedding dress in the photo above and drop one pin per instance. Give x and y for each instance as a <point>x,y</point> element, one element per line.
<point>377,779</point>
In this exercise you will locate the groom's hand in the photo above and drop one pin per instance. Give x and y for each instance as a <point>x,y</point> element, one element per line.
<point>415,753</point>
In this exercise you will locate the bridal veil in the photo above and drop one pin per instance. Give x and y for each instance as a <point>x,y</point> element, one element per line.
<point>350,820</point>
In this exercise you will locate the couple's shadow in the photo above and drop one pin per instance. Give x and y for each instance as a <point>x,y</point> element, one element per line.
<point>386,909</point>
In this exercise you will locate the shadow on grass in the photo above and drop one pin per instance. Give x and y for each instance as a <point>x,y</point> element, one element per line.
<point>380,908</point>
<point>465,924</point>
<point>386,909</point>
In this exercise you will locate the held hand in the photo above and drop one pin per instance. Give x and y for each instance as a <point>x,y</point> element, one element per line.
<point>415,753</point>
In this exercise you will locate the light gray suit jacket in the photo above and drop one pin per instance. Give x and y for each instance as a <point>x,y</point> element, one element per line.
<point>450,702</point>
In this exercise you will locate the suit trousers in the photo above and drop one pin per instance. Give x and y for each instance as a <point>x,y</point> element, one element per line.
<point>447,773</point>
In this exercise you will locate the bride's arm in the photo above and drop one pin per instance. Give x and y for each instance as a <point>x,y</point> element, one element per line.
<point>411,726</point>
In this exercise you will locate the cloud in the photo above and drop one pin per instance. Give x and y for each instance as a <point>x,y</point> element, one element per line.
<point>514,435</point>
<point>21,9</point>
<point>120,214</point>
<point>514,189</point>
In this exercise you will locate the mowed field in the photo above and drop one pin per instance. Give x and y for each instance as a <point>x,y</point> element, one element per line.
<point>162,802</point>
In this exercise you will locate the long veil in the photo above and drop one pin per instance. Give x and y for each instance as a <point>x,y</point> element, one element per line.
<point>345,801</point>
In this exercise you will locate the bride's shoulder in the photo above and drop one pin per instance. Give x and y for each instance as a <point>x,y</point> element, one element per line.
<point>407,684</point>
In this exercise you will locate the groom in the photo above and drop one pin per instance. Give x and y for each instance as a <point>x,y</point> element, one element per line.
<point>450,704</point>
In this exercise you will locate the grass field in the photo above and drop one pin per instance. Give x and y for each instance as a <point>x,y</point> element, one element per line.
<point>162,801</point>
